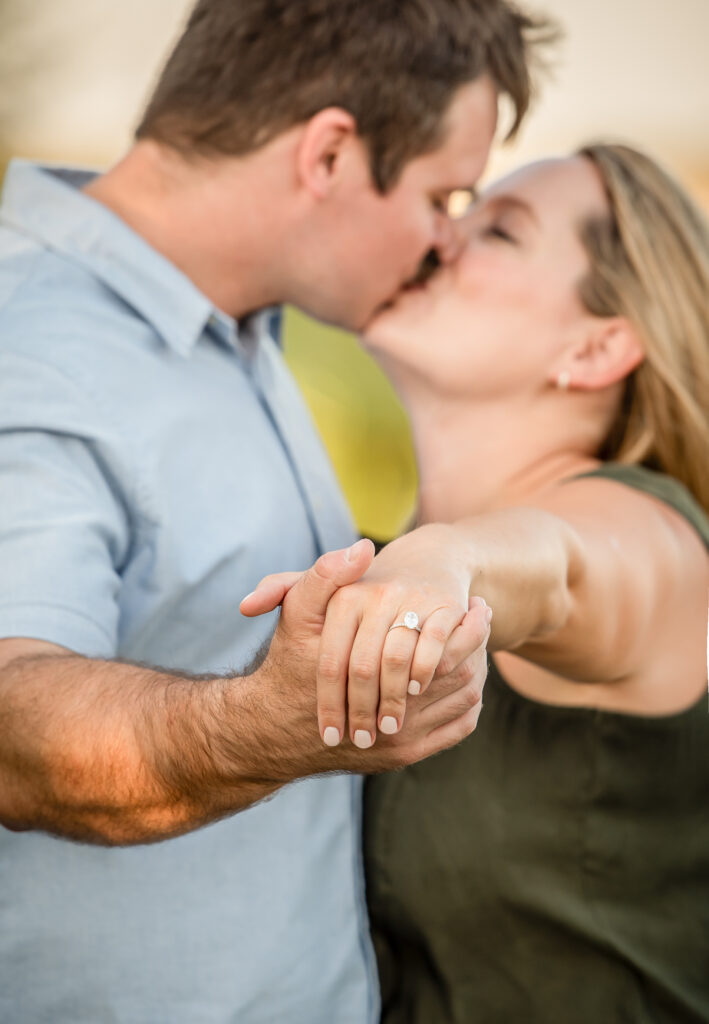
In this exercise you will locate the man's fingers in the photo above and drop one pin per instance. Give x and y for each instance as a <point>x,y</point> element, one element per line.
<point>454,731</point>
<point>332,570</point>
<point>452,695</point>
<point>308,599</point>
<point>268,594</point>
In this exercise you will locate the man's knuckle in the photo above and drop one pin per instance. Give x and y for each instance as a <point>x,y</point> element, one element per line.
<point>480,667</point>
<point>463,675</point>
<point>469,723</point>
<point>473,692</point>
<point>446,666</point>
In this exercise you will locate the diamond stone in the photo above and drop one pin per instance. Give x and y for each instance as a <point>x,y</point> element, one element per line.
<point>411,620</point>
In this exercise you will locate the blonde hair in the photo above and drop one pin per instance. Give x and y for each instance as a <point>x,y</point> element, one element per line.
<point>650,264</point>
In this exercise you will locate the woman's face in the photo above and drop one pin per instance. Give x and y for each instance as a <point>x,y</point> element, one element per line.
<point>498,320</point>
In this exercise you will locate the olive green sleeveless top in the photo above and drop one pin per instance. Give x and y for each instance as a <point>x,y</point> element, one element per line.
<point>551,869</point>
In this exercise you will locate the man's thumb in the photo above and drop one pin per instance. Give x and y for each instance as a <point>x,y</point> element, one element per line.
<point>331,571</point>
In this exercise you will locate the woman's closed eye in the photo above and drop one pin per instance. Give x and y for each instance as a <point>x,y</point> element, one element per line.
<point>497,231</point>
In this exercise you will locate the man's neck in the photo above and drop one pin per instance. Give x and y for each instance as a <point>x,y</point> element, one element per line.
<point>209,218</point>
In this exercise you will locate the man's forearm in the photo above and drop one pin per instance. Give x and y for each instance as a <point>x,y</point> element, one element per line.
<point>117,753</point>
<point>114,753</point>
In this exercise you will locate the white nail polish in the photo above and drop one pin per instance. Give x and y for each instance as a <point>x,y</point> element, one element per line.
<point>363,739</point>
<point>414,688</point>
<point>331,736</point>
<point>389,725</point>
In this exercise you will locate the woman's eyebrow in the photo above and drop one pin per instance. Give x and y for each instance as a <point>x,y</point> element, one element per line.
<point>514,202</point>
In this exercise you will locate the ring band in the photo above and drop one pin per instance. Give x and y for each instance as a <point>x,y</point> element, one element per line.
<point>410,621</point>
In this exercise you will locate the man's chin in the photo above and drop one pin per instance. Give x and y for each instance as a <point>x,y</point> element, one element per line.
<point>380,313</point>
<point>386,307</point>
<point>394,304</point>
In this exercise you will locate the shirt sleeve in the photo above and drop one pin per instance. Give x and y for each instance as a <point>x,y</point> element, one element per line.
<point>64,529</point>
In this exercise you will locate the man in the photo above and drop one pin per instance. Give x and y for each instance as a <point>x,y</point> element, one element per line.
<point>156,462</point>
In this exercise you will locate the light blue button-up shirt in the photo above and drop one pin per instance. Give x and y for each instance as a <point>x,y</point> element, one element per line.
<point>155,463</point>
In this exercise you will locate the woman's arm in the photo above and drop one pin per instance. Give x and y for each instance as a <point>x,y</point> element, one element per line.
<point>595,582</point>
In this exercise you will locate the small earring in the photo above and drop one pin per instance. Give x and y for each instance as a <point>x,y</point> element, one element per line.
<point>563,380</point>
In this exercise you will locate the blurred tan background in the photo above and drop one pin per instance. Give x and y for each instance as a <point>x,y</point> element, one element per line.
<point>74,74</point>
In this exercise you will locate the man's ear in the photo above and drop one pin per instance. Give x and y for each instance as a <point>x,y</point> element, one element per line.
<point>610,350</point>
<point>323,142</point>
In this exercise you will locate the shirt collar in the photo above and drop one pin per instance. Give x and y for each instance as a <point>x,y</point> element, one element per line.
<point>47,204</point>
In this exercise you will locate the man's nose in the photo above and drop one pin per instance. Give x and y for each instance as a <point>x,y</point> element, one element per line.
<point>449,239</point>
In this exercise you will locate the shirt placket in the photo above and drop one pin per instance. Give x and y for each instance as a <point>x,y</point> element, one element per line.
<point>329,516</point>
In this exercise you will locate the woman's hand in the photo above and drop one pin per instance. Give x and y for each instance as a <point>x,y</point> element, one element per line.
<point>365,668</point>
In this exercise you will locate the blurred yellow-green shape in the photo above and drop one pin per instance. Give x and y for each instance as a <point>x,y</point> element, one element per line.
<point>361,420</point>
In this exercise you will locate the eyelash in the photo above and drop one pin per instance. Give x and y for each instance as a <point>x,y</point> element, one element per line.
<point>500,233</point>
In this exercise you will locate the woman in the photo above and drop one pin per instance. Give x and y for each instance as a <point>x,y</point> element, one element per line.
<point>554,867</point>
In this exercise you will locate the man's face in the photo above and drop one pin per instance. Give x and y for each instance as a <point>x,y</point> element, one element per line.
<point>375,243</point>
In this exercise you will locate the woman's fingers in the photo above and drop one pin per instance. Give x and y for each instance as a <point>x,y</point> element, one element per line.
<point>380,704</point>
<point>472,634</point>
<point>441,650</point>
<point>397,655</point>
<point>364,679</point>
<point>336,641</point>
<point>366,668</point>
<point>401,653</point>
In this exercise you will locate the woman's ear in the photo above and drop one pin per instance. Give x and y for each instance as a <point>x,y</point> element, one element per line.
<point>610,351</point>
<point>319,155</point>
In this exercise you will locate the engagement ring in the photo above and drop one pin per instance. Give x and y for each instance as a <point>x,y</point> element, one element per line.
<point>410,621</point>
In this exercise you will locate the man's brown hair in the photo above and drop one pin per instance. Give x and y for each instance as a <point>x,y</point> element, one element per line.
<point>243,71</point>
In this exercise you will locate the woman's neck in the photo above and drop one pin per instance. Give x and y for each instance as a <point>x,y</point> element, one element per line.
<point>474,457</point>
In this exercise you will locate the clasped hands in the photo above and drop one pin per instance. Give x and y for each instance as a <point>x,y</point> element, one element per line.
<point>418,692</point>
